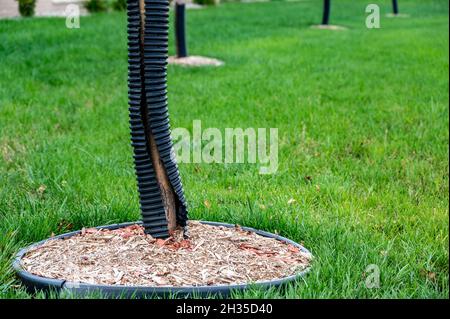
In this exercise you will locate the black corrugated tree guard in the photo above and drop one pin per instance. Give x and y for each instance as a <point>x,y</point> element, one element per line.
<point>326,12</point>
<point>162,201</point>
<point>180,29</point>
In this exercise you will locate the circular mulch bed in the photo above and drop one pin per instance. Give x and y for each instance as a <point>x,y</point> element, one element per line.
<point>194,61</point>
<point>213,255</point>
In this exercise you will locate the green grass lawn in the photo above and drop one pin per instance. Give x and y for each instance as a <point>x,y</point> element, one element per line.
<point>362,113</point>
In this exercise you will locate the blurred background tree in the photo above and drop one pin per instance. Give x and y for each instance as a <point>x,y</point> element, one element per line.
<point>96,5</point>
<point>120,5</point>
<point>27,7</point>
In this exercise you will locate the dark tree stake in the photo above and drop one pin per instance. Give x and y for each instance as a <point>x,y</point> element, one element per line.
<point>180,29</point>
<point>326,12</point>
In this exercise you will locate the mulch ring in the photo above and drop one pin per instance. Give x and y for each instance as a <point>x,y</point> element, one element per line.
<point>329,27</point>
<point>127,256</point>
<point>194,61</point>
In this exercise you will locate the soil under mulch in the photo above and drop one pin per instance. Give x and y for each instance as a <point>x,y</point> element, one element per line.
<point>127,256</point>
<point>194,60</point>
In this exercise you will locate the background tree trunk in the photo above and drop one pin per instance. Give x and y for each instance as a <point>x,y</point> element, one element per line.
<point>180,28</point>
<point>326,12</point>
<point>395,6</point>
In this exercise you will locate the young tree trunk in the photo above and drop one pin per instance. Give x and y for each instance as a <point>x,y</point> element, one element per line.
<point>326,12</point>
<point>167,193</point>
<point>180,28</point>
<point>395,6</point>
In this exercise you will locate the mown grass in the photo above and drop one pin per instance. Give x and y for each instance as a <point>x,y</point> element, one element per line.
<point>362,118</point>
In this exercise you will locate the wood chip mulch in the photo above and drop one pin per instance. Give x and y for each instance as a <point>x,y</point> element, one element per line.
<point>194,60</point>
<point>329,27</point>
<point>127,256</point>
